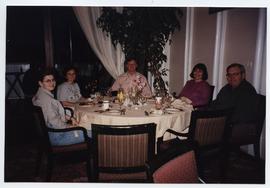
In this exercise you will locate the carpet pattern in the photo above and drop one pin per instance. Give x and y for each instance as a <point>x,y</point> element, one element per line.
<point>20,164</point>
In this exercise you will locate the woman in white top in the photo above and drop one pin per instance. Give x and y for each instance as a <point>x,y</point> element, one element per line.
<point>54,113</point>
<point>69,92</point>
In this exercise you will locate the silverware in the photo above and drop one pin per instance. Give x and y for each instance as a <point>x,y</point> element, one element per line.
<point>101,111</point>
<point>146,113</point>
<point>123,111</point>
<point>178,108</point>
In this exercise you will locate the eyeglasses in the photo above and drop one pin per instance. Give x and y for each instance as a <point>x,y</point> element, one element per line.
<point>49,80</point>
<point>233,74</point>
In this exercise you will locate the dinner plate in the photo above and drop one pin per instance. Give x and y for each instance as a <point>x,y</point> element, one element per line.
<point>156,113</point>
<point>172,110</point>
<point>151,100</point>
<point>113,112</point>
<point>85,103</point>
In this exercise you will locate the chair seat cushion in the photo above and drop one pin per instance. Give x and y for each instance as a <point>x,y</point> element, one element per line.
<point>243,133</point>
<point>181,169</point>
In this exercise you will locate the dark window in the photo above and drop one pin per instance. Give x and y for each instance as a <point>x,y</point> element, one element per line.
<point>25,42</point>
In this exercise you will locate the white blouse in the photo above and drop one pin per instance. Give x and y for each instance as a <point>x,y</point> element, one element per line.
<point>68,92</point>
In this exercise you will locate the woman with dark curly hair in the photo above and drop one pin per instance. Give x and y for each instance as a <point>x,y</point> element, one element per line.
<point>197,89</point>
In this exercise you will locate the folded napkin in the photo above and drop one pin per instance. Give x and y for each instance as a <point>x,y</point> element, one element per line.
<point>126,102</point>
<point>186,100</point>
<point>178,103</point>
<point>156,112</point>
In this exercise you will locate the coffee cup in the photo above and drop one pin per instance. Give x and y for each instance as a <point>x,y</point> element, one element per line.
<point>106,105</point>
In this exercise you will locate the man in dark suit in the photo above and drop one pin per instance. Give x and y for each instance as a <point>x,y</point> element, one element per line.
<point>239,94</point>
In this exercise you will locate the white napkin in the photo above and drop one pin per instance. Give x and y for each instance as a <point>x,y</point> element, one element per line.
<point>126,102</point>
<point>178,103</point>
<point>186,100</point>
<point>156,112</point>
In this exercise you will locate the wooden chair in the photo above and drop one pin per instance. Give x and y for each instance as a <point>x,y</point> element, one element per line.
<point>250,133</point>
<point>120,152</point>
<point>63,154</point>
<point>175,165</point>
<point>207,131</point>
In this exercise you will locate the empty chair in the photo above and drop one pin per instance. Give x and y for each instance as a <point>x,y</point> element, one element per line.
<point>207,131</point>
<point>250,133</point>
<point>80,152</point>
<point>120,152</point>
<point>175,165</point>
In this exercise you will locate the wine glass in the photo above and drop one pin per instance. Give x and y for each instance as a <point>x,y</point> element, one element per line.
<point>158,103</point>
<point>168,100</point>
<point>143,100</point>
<point>121,99</point>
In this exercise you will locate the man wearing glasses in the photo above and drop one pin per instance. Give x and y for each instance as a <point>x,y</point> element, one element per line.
<point>239,94</point>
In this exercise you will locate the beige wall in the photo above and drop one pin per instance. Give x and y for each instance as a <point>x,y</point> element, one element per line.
<point>204,39</point>
<point>240,43</point>
<point>178,57</point>
<point>202,47</point>
<point>239,47</point>
<point>241,37</point>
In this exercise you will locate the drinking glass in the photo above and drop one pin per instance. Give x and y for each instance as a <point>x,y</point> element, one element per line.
<point>143,100</point>
<point>121,100</point>
<point>158,103</point>
<point>168,100</point>
<point>121,97</point>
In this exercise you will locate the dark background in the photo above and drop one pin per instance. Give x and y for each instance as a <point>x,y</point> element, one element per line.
<point>25,42</point>
<point>25,35</point>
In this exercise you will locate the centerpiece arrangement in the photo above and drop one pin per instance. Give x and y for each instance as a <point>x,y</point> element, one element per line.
<point>135,91</point>
<point>143,33</point>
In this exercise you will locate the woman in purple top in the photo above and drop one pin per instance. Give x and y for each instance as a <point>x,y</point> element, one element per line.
<point>197,90</point>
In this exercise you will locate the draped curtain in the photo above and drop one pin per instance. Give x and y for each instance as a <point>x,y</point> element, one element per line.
<point>111,57</point>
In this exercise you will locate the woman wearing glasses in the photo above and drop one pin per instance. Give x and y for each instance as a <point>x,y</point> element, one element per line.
<point>53,111</point>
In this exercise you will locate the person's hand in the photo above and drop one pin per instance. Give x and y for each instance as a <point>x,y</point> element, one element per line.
<point>68,104</point>
<point>74,121</point>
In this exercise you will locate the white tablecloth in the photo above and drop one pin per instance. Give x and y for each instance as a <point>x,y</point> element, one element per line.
<point>178,121</point>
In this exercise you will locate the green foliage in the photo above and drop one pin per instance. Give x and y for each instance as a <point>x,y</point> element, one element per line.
<point>142,33</point>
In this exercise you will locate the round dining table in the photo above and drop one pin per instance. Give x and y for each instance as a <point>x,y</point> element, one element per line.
<point>167,118</point>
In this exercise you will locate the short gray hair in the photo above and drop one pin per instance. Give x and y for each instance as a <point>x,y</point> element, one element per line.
<point>240,66</point>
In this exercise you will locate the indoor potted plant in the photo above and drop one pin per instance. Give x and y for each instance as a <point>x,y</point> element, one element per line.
<point>143,33</point>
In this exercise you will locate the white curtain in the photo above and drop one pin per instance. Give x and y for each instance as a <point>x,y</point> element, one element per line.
<point>111,57</point>
<point>259,82</point>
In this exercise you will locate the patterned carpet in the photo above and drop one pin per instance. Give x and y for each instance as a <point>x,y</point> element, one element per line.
<point>20,155</point>
<point>20,167</point>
